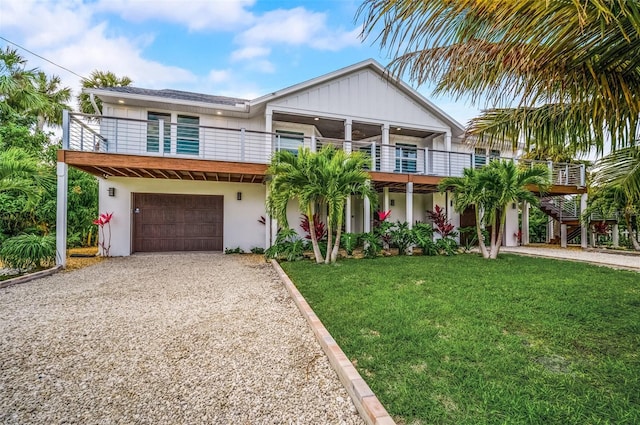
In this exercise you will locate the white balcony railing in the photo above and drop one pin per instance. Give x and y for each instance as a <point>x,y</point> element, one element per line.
<point>182,140</point>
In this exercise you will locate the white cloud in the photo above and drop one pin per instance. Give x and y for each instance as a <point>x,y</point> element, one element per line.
<point>70,34</point>
<point>250,52</point>
<point>219,75</point>
<point>296,27</point>
<point>196,15</point>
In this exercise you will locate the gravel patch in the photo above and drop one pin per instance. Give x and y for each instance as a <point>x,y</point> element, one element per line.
<point>629,262</point>
<point>165,338</point>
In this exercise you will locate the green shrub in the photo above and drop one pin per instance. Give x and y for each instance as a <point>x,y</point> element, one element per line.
<point>237,250</point>
<point>257,250</point>
<point>372,245</point>
<point>27,251</point>
<point>423,236</point>
<point>350,241</point>
<point>447,246</point>
<point>401,237</point>
<point>288,246</point>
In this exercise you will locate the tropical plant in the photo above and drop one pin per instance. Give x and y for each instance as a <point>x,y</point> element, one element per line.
<point>326,178</point>
<point>571,67</point>
<point>491,189</point>
<point>98,79</point>
<point>447,246</point>
<point>402,236</point>
<point>350,242</point>
<point>609,201</point>
<point>18,93</point>
<point>55,100</point>
<point>287,246</point>
<point>320,228</point>
<point>21,172</point>
<point>441,223</point>
<point>27,251</point>
<point>295,176</point>
<point>104,219</point>
<point>423,237</point>
<point>372,246</point>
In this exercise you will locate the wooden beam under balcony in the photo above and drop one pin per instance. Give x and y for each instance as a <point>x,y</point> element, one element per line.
<point>121,165</point>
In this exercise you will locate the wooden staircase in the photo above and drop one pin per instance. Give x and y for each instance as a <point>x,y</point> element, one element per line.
<point>565,211</point>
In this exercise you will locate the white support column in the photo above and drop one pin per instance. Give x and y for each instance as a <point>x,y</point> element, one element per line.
<point>267,222</point>
<point>268,129</point>
<point>348,130</point>
<point>447,141</point>
<point>385,151</point>
<point>367,215</point>
<point>615,235</point>
<point>386,204</point>
<point>550,234</point>
<point>274,230</point>
<point>563,235</point>
<point>525,223</point>
<point>347,215</point>
<point>409,204</point>
<point>584,226</point>
<point>61,214</point>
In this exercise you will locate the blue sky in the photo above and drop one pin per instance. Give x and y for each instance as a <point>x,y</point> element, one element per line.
<point>241,48</point>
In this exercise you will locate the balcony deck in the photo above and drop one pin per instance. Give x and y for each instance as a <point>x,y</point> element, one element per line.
<point>121,147</point>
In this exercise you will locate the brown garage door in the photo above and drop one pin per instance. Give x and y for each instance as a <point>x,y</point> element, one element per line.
<point>164,222</point>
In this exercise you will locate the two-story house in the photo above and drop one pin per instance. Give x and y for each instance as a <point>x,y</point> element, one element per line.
<point>186,171</point>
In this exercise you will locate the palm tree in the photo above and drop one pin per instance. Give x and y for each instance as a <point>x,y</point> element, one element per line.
<point>344,175</point>
<point>617,181</point>
<point>99,79</point>
<point>56,100</point>
<point>468,192</point>
<point>295,176</point>
<point>491,189</point>
<point>507,184</point>
<point>18,92</point>
<point>572,68</point>
<point>21,172</point>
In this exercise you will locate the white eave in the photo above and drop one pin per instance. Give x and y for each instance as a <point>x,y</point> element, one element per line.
<point>168,103</point>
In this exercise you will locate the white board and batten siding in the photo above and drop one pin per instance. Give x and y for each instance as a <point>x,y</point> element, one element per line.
<point>362,96</point>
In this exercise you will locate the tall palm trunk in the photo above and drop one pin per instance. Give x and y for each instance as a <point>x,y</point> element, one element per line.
<point>634,241</point>
<point>336,245</point>
<point>495,249</point>
<point>312,232</point>
<point>481,244</point>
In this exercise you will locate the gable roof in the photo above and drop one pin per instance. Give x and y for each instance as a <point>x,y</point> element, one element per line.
<point>371,64</point>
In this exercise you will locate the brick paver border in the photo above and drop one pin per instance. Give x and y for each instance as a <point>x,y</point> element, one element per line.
<point>363,398</point>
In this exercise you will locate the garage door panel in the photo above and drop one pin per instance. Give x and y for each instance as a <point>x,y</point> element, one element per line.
<point>171,222</point>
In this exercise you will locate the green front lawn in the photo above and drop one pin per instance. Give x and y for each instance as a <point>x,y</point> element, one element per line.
<point>462,340</point>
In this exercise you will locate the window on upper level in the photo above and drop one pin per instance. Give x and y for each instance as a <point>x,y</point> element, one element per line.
<point>480,157</point>
<point>406,158</point>
<point>188,135</point>
<point>289,141</point>
<point>153,132</point>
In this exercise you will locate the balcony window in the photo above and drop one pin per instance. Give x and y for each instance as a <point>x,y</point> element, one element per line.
<point>188,135</point>
<point>480,158</point>
<point>289,141</point>
<point>406,158</point>
<point>375,154</point>
<point>153,132</point>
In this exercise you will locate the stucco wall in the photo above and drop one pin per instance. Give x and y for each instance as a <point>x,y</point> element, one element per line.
<point>241,226</point>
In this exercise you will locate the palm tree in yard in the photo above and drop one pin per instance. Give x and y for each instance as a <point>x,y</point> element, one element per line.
<point>295,176</point>
<point>492,189</point>
<point>617,181</point>
<point>555,72</point>
<point>468,192</point>
<point>21,172</point>
<point>344,175</point>
<point>18,92</point>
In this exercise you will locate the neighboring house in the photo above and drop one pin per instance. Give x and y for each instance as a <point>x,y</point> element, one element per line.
<point>186,171</point>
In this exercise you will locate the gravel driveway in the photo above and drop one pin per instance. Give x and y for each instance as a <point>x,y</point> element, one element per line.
<point>164,338</point>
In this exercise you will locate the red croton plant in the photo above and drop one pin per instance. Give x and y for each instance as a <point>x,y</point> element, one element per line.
<point>104,219</point>
<point>441,223</point>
